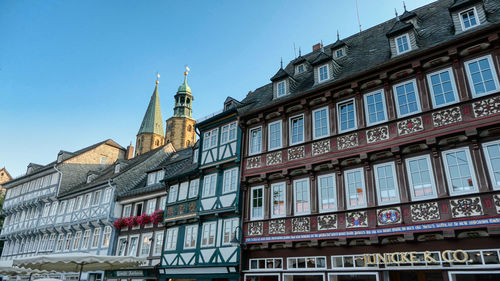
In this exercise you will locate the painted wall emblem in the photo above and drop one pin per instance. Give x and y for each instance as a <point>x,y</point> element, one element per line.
<point>466,207</point>
<point>277,226</point>
<point>347,141</point>
<point>301,224</point>
<point>253,162</point>
<point>425,212</point>
<point>377,134</point>
<point>409,126</point>
<point>327,222</point>
<point>274,158</point>
<point>321,147</point>
<point>296,152</point>
<point>356,219</point>
<point>389,216</point>
<point>446,117</point>
<point>255,228</point>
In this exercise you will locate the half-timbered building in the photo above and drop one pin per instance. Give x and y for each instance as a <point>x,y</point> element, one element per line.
<point>375,157</point>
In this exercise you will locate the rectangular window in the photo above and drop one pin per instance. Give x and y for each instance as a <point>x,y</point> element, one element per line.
<point>266,263</point>
<point>209,185</point>
<point>97,198</point>
<point>300,68</point>
<point>86,238</point>
<point>172,193</point>
<point>375,109</point>
<point>301,197</point>
<point>190,236</point>
<point>78,202</point>
<point>158,241</point>
<point>46,210</point>
<point>163,202</point>
<point>355,188</point>
<point>45,239</point>
<point>71,206</point>
<point>151,206</point>
<point>346,116</point>
<point>274,135</point>
<point>78,237</point>
<point>323,73</point>
<point>278,199</point>
<point>281,89</point>
<point>468,19</point>
<point>402,44</point>
<point>459,171</point>
<point>86,201</point>
<point>492,155</point>
<point>132,247</point>
<point>60,242</point>
<point>53,210</point>
<point>255,141</point>
<point>482,76</point>
<point>106,237</point>
<point>145,245</point>
<point>138,209</point>
<point>96,237</point>
<point>107,195</point>
<point>183,190</point>
<point>52,241</point>
<point>327,193</point>
<point>339,53</point>
<point>126,210</point>
<point>171,241</point>
<point>386,183</point>
<point>307,263</point>
<point>321,123</point>
<point>442,86</point>
<point>257,206</point>
<point>230,230</point>
<point>421,178</point>
<point>210,139</point>
<point>208,234</point>
<point>230,180</point>
<point>193,188</point>
<point>297,129</point>
<point>228,133</point>
<point>120,248</point>
<point>407,99</point>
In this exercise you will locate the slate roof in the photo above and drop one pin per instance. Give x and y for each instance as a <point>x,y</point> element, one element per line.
<point>407,15</point>
<point>152,123</point>
<point>462,3</point>
<point>173,164</point>
<point>279,75</point>
<point>399,27</point>
<point>370,49</point>
<point>322,57</point>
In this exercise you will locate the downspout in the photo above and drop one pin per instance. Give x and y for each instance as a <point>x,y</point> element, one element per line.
<point>60,179</point>
<point>242,199</point>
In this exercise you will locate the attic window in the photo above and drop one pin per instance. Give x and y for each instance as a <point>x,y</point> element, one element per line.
<point>468,19</point>
<point>103,160</point>
<point>117,168</point>
<point>339,53</point>
<point>281,86</point>
<point>59,158</point>
<point>323,73</point>
<point>403,44</point>
<point>300,68</point>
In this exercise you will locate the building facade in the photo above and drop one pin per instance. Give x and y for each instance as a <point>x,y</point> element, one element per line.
<point>378,161</point>
<point>4,177</point>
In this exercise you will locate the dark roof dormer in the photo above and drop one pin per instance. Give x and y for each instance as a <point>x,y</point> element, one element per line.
<point>300,64</point>
<point>231,103</point>
<point>460,4</point>
<point>281,74</point>
<point>339,48</point>
<point>321,58</point>
<point>399,27</point>
<point>402,37</point>
<point>282,81</point>
<point>467,14</point>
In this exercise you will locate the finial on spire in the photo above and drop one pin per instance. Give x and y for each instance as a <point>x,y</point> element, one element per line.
<point>281,63</point>
<point>396,12</point>
<point>300,53</point>
<point>157,78</point>
<point>404,5</point>
<point>187,70</point>
<point>338,35</point>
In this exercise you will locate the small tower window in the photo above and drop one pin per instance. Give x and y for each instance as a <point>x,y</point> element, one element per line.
<point>188,101</point>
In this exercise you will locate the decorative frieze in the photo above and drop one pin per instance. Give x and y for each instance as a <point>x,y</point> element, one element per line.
<point>273,158</point>
<point>486,107</point>
<point>301,224</point>
<point>254,162</point>
<point>327,222</point>
<point>496,201</point>
<point>446,117</point>
<point>255,228</point>
<point>425,212</point>
<point>192,207</point>
<point>377,134</point>
<point>277,227</point>
<point>297,152</point>
<point>321,147</point>
<point>410,126</point>
<point>466,207</point>
<point>347,141</point>
<point>389,216</point>
<point>356,219</point>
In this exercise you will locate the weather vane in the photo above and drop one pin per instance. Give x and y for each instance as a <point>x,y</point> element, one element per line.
<point>157,77</point>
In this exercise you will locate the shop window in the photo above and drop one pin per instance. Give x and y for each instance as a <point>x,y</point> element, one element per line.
<point>327,193</point>
<point>306,263</point>
<point>459,171</point>
<point>386,183</point>
<point>355,188</point>
<point>266,263</point>
<point>421,178</point>
<point>358,276</point>
<point>278,200</point>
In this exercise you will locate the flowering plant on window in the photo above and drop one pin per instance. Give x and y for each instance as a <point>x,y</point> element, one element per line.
<point>131,221</point>
<point>143,219</point>
<point>119,223</point>
<point>157,216</point>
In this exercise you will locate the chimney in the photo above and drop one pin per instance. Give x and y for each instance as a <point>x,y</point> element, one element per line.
<point>130,152</point>
<point>317,46</point>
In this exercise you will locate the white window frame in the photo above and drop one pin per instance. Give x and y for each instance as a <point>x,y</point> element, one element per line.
<point>229,129</point>
<point>190,235</point>
<point>308,184</point>
<point>410,181</point>
<point>407,41</point>
<point>119,245</point>
<point>96,195</point>
<point>125,213</point>
<point>68,240</point>
<point>472,171</point>
<point>149,203</point>
<point>250,143</point>
<point>106,236</point>
<point>209,192</point>
<point>208,136</point>
<point>282,82</point>
<point>394,179</point>
<point>60,243</point>
<point>136,206</point>
<point>233,230</point>
<point>194,186</point>
<point>339,121</point>
<point>363,187</point>
<point>96,237</point>
<point>417,95</point>
<point>271,201</point>
<point>173,191</point>
<point>320,196</point>
<point>453,86</point>
<point>327,73</point>
<point>303,68</point>
<point>148,236</point>
<point>290,129</point>
<point>130,243</point>
<point>158,239</point>
<point>342,50</point>
<point>493,74</point>
<point>252,217</point>
<point>462,24</point>
<point>269,135</point>
<point>229,187</point>
<point>315,137</point>
<point>316,268</point>
<point>171,238</point>
<point>210,228</point>
<point>485,145</point>
<point>367,112</point>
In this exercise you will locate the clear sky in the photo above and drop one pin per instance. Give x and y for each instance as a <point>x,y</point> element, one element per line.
<point>73,73</point>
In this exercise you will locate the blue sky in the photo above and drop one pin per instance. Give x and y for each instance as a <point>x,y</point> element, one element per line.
<point>73,73</point>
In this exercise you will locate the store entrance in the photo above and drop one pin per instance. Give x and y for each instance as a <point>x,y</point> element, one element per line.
<point>415,276</point>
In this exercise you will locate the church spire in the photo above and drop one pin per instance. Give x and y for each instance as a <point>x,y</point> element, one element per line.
<point>183,99</point>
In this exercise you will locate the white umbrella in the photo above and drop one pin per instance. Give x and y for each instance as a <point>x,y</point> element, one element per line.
<point>77,262</point>
<point>6,268</point>
<point>47,279</point>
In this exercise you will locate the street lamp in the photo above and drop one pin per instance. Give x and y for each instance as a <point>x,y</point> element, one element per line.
<point>235,241</point>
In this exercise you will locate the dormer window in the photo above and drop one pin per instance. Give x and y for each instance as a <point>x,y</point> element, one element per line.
<point>301,68</point>
<point>469,19</point>
<point>403,44</point>
<point>281,86</point>
<point>323,73</point>
<point>339,53</point>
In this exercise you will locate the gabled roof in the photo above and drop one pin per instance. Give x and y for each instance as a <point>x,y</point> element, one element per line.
<point>399,27</point>
<point>407,15</point>
<point>280,75</point>
<point>299,59</point>
<point>338,44</point>
<point>322,57</point>
<point>459,4</point>
<point>152,123</point>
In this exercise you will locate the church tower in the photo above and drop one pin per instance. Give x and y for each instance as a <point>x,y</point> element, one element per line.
<point>150,135</point>
<point>180,127</point>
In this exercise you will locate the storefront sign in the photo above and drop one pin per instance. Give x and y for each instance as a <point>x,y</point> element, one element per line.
<point>459,256</point>
<point>126,273</point>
